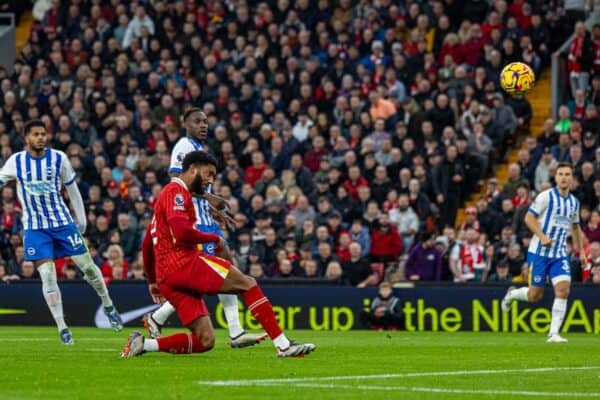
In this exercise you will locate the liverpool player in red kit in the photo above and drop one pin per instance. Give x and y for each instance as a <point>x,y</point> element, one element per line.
<point>177,271</point>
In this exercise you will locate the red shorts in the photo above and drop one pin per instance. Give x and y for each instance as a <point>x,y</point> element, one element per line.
<point>184,287</point>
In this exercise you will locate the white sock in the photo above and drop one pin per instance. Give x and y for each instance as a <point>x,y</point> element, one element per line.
<point>559,309</point>
<point>230,308</point>
<point>281,342</point>
<point>163,313</point>
<point>52,293</point>
<point>150,345</point>
<point>93,276</point>
<point>520,294</point>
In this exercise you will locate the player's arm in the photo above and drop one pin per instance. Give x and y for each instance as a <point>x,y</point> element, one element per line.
<point>218,202</point>
<point>149,268</point>
<point>579,238</point>
<point>180,224</point>
<point>8,172</point>
<point>68,177</point>
<point>531,217</point>
<point>148,257</point>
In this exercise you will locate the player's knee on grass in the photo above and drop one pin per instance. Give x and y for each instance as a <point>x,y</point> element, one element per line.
<point>208,340</point>
<point>206,336</point>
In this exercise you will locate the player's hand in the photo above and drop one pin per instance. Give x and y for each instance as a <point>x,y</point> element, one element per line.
<point>546,241</point>
<point>220,245</point>
<point>155,293</point>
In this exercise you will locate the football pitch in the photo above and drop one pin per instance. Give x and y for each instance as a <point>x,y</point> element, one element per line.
<point>348,365</point>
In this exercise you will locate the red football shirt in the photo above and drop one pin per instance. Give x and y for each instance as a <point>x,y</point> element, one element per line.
<point>175,200</point>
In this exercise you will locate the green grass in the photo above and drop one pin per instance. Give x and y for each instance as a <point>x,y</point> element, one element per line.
<point>92,369</point>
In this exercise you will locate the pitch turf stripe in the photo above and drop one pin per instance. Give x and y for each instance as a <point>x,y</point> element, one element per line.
<point>252,382</point>
<point>46,339</point>
<point>445,390</point>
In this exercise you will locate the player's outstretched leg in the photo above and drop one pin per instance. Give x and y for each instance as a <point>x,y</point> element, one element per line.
<point>262,311</point>
<point>238,338</point>
<point>93,276</point>
<point>199,340</point>
<point>53,298</point>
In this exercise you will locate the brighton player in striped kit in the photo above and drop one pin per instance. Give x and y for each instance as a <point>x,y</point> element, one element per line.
<point>50,231</point>
<point>196,125</point>
<point>553,213</point>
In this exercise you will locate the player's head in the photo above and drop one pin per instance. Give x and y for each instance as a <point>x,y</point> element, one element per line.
<point>564,176</point>
<point>198,171</point>
<point>196,123</point>
<point>35,134</point>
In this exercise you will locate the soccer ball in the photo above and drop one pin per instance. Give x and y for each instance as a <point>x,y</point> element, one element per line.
<point>517,78</point>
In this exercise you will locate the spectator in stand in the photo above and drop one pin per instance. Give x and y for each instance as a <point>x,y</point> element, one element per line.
<point>357,270</point>
<point>334,273</point>
<point>424,262</point>
<point>592,228</point>
<point>406,220</point>
<point>580,59</point>
<point>386,242</point>
<point>447,179</point>
<point>354,182</point>
<point>501,273</point>
<point>115,266</point>
<point>467,260</point>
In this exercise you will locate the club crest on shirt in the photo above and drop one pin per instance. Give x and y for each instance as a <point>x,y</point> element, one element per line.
<point>180,157</point>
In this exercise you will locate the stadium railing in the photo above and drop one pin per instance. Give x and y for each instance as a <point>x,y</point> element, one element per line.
<point>8,40</point>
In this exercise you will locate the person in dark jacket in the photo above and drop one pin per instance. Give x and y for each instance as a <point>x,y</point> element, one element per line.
<point>447,179</point>
<point>424,262</point>
<point>385,310</point>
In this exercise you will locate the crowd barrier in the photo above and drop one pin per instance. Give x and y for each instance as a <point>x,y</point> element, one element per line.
<point>426,307</point>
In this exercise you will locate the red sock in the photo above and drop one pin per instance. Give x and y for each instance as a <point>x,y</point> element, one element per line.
<point>262,310</point>
<point>180,343</point>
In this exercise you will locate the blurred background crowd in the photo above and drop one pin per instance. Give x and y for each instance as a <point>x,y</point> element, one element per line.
<point>348,133</point>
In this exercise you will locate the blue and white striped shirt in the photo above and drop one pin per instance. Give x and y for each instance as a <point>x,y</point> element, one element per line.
<point>556,214</point>
<point>186,145</point>
<point>39,187</point>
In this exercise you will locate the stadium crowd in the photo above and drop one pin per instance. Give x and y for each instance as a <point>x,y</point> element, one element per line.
<point>348,132</point>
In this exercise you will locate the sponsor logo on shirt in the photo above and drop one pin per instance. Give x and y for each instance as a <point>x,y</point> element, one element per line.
<point>179,202</point>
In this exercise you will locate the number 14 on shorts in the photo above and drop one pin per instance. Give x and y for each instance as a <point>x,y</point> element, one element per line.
<point>75,240</point>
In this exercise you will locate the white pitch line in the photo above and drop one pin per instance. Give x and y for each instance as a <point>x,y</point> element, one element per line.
<point>258,382</point>
<point>444,390</point>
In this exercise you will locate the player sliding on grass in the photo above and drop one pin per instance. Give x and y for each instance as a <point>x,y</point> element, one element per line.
<point>182,274</point>
<point>549,218</point>
<point>50,231</point>
<point>196,126</point>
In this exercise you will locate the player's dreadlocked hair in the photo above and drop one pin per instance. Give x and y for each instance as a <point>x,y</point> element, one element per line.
<point>198,158</point>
